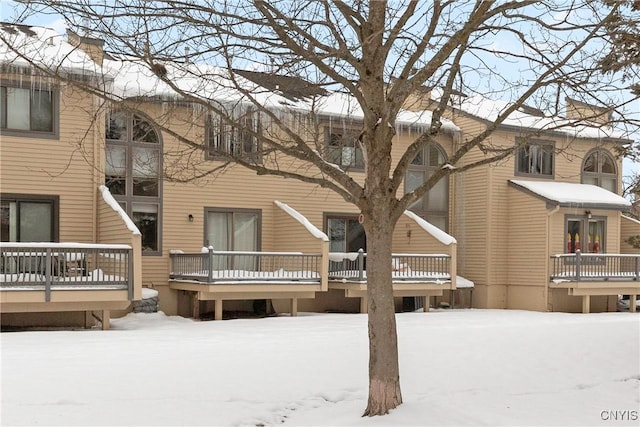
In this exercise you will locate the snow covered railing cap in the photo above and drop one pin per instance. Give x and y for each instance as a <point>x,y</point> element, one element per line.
<point>571,195</point>
<point>113,204</point>
<point>441,236</point>
<point>63,245</point>
<point>302,220</point>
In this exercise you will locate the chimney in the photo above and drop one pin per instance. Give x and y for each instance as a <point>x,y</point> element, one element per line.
<point>578,110</point>
<point>91,46</point>
<point>419,100</point>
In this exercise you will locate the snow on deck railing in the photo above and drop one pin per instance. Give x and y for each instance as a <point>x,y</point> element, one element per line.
<point>577,267</point>
<point>65,266</point>
<point>244,266</point>
<point>415,267</point>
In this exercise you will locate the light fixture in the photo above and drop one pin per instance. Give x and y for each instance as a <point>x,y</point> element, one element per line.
<point>190,218</point>
<point>588,214</point>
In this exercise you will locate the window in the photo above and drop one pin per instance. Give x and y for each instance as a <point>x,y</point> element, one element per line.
<point>28,218</point>
<point>233,230</point>
<point>132,173</point>
<point>433,206</point>
<point>346,234</point>
<point>585,234</point>
<point>344,150</point>
<point>535,158</point>
<point>28,110</point>
<point>599,168</point>
<point>223,139</point>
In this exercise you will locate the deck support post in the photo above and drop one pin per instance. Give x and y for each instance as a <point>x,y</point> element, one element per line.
<point>87,319</point>
<point>217,309</point>
<point>363,304</point>
<point>106,319</point>
<point>425,303</point>
<point>586,302</point>
<point>632,303</point>
<point>294,307</point>
<point>196,306</point>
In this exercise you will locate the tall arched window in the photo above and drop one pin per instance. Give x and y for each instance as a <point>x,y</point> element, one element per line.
<point>599,168</point>
<point>133,165</point>
<point>433,206</point>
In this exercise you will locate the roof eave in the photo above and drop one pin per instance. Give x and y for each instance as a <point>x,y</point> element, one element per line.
<point>581,205</point>
<point>554,132</point>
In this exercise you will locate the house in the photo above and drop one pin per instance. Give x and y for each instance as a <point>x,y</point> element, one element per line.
<point>264,237</point>
<point>100,202</point>
<point>543,229</point>
<point>50,192</point>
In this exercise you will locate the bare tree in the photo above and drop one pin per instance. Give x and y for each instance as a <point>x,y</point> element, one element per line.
<point>380,53</point>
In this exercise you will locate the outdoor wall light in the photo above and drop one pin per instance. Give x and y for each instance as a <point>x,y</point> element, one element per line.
<point>190,218</point>
<point>588,214</point>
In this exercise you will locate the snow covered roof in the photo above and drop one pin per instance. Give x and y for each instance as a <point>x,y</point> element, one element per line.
<point>567,194</point>
<point>131,78</point>
<point>45,47</point>
<point>527,117</point>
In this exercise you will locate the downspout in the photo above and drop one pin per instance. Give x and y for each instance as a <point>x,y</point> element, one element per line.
<point>96,172</point>
<point>548,256</point>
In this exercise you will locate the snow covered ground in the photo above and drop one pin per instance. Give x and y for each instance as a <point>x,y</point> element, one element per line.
<point>458,367</point>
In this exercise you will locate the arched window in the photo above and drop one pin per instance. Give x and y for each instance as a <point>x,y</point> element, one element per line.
<point>132,172</point>
<point>599,168</point>
<point>433,206</point>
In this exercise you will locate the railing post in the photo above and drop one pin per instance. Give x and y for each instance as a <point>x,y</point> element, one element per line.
<point>47,275</point>
<point>210,272</point>
<point>130,274</point>
<point>360,264</point>
<point>638,268</point>
<point>578,255</point>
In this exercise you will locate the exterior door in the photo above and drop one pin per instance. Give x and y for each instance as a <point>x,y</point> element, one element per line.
<point>233,230</point>
<point>346,234</point>
<point>27,220</point>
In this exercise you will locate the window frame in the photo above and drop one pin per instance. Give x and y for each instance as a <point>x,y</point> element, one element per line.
<point>523,143</point>
<point>54,133</point>
<point>344,133</point>
<point>428,169</point>
<point>129,199</point>
<point>53,200</point>
<point>326,216</point>
<point>232,211</point>
<point>599,175</point>
<point>234,132</point>
<point>584,229</point>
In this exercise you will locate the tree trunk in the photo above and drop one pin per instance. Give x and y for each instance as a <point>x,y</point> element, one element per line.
<point>384,374</point>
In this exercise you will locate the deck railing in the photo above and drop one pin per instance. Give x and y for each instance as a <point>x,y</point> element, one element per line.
<point>419,267</point>
<point>243,266</point>
<point>65,266</point>
<point>577,267</point>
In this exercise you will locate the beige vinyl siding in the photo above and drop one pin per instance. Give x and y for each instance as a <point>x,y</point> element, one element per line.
<point>526,239</point>
<point>526,252</point>
<point>628,227</point>
<point>63,167</point>
<point>112,229</point>
<point>409,237</point>
<point>290,235</point>
<point>470,228</point>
